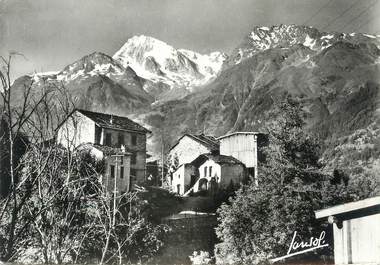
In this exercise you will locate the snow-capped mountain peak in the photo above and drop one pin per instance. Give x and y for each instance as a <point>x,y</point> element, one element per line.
<point>159,62</point>
<point>285,36</point>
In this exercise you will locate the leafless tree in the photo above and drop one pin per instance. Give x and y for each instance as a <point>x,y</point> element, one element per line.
<point>57,204</point>
<point>27,121</point>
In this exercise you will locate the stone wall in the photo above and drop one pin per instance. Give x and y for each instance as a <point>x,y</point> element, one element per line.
<point>187,150</point>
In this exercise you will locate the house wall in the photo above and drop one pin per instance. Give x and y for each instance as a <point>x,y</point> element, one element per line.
<point>138,169</point>
<point>241,146</point>
<point>358,241</point>
<point>215,170</point>
<point>122,184</point>
<point>182,177</point>
<point>187,150</point>
<point>76,130</point>
<point>79,129</point>
<point>231,172</point>
<point>223,174</point>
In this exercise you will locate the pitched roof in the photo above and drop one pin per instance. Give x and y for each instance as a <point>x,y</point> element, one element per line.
<point>113,121</point>
<point>207,140</point>
<point>217,158</point>
<point>222,159</point>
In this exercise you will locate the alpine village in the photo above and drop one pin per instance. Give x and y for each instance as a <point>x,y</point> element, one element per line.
<point>158,155</point>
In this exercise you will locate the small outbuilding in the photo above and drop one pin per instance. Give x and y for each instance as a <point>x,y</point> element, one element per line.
<point>356,228</point>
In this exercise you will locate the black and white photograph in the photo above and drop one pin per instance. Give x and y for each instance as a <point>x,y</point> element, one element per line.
<point>192,132</point>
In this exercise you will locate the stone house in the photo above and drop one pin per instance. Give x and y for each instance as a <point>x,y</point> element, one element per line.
<point>185,150</point>
<point>190,146</point>
<point>356,228</point>
<point>118,140</point>
<point>207,172</point>
<point>229,158</point>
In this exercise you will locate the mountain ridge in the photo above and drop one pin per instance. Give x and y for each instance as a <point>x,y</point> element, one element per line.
<point>335,76</point>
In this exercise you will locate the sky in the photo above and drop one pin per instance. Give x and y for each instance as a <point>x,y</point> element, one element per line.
<point>54,33</point>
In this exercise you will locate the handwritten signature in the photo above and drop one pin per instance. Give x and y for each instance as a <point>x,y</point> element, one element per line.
<point>303,247</point>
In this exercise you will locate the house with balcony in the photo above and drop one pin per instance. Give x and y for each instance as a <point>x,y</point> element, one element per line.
<point>118,140</point>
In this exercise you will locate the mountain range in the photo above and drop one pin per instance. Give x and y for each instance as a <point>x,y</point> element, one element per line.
<point>334,75</point>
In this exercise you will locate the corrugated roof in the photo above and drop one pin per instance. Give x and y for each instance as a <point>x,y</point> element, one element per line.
<point>207,140</point>
<point>113,121</point>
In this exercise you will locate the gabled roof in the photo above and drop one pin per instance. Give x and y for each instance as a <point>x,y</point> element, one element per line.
<point>111,121</point>
<point>208,141</point>
<point>217,158</point>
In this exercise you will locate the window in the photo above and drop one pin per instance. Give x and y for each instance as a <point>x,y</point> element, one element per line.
<point>120,139</point>
<point>108,139</point>
<point>121,172</point>
<point>133,173</point>
<point>112,171</point>
<point>133,159</point>
<point>205,172</point>
<point>121,160</point>
<point>209,171</point>
<point>98,134</point>
<point>134,139</point>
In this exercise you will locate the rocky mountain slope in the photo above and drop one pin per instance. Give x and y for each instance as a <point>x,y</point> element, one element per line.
<point>334,75</point>
<point>160,63</point>
<point>143,71</point>
<point>283,36</point>
<point>95,81</point>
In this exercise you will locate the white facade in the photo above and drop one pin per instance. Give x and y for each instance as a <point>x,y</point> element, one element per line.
<point>221,173</point>
<point>210,169</point>
<point>242,146</point>
<point>81,132</point>
<point>356,231</point>
<point>187,149</point>
<point>358,241</point>
<point>76,130</point>
<point>182,178</point>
